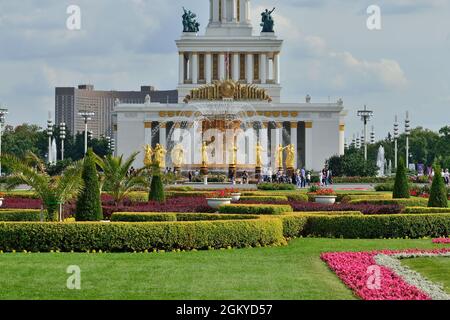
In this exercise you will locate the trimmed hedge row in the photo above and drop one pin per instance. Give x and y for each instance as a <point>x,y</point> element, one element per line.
<point>331,213</point>
<point>159,217</point>
<point>265,198</point>
<point>120,237</point>
<point>276,186</point>
<point>258,209</point>
<point>20,215</point>
<point>425,210</point>
<point>351,197</point>
<point>411,202</point>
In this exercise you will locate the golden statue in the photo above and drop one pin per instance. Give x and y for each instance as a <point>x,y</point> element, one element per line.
<point>259,151</point>
<point>234,151</point>
<point>160,156</point>
<point>204,154</point>
<point>178,155</point>
<point>148,157</point>
<point>279,157</point>
<point>290,156</point>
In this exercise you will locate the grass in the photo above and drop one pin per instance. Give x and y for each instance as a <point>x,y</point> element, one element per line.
<point>290,272</point>
<point>434,269</point>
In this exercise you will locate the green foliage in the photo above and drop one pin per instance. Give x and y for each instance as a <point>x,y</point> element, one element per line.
<point>276,186</point>
<point>258,209</point>
<point>299,197</point>
<point>51,190</point>
<point>422,210</point>
<point>157,188</point>
<point>158,217</point>
<point>401,185</point>
<point>382,226</point>
<point>351,197</point>
<point>126,237</point>
<point>89,206</point>
<point>59,167</point>
<point>352,164</point>
<point>262,199</point>
<point>411,202</point>
<point>20,215</point>
<point>438,195</point>
<point>384,187</point>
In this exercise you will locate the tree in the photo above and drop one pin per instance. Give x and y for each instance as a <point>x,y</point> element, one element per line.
<point>401,185</point>
<point>352,164</point>
<point>51,190</point>
<point>438,193</point>
<point>157,187</point>
<point>117,180</point>
<point>89,206</point>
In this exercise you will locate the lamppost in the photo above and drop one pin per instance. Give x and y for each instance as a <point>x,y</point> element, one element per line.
<point>358,145</point>
<point>407,133</point>
<point>372,136</point>
<point>396,136</point>
<point>87,116</point>
<point>50,135</point>
<point>113,146</point>
<point>3,113</point>
<point>365,117</point>
<point>62,136</point>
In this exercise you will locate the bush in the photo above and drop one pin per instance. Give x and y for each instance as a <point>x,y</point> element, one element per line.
<point>20,215</point>
<point>276,186</point>
<point>373,227</point>
<point>261,199</point>
<point>331,213</point>
<point>426,210</point>
<point>299,197</point>
<point>384,187</point>
<point>137,197</point>
<point>401,185</point>
<point>438,194</point>
<point>126,237</point>
<point>187,194</point>
<point>367,209</point>
<point>157,188</point>
<point>350,197</point>
<point>89,206</point>
<point>158,217</point>
<point>267,209</point>
<point>293,224</point>
<point>412,202</point>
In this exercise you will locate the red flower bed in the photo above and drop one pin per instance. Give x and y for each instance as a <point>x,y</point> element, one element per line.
<point>367,209</point>
<point>21,203</point>
<point>442,240</point>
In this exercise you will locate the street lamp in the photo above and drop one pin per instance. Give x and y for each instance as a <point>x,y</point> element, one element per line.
<point>3,113</point>
<point>50,135</point>
<point>396,136</point>
<point>365,117</point>
<point>372,135</point>
<point>358,145</point>
<point>407,133</point>
<point>113,145</point>
<point>62,136</point>
<point>87,116</point>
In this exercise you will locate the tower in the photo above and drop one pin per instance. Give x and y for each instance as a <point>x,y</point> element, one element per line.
<point>229,50</point>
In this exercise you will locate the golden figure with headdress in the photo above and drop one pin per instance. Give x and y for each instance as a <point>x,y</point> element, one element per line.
<point>290,156</point>
<point>160,155</point>
<point>178,155</point>
<point>204,154</point>
<point>234,151</point>
<point>259,151</point>
<point>279,157</point>
<point>148,157</point>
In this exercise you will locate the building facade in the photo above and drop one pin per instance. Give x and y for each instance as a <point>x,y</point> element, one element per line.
<point>69,101</point>
<point>229,97</point>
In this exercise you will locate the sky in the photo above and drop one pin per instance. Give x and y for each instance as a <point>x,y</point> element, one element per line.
<point>328,53</point>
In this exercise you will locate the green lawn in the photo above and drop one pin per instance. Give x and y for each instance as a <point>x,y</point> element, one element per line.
<point>291,272</point>
<point>435,269</point>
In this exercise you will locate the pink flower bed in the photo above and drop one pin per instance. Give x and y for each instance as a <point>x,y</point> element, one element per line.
<point>353,268</point>
<point>442,240</point>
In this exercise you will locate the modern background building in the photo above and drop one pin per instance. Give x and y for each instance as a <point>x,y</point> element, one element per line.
<point>69,101</point>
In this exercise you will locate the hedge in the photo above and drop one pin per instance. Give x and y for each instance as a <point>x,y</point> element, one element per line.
<point>425,210</point>
<point>330,213</point>
<point>293,224</point>
<point>276,186</point>
<point>299,197</point>
<point>411,202</point>
<point>20,215</point>
<point>258,209</point>
<point>373,227</point>
<point>126,237</point>
<point>175,216</point>
<point>265,198</point>
<point>350,197</point>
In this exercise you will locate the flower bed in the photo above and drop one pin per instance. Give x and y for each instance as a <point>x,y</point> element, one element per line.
<point>17,202</point>
<point>372,276</point>
<point>442,240</point>
<point>366,209</point>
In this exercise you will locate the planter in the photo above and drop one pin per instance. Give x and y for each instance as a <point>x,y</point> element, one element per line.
<point>1,201</point>
<point>235,196</point>
<point>325,199</point>
<point>215,203</point>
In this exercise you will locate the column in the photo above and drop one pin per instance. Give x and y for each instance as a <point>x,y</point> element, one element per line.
<point>249,73</point>
<point>341,139</point>
<point>215,17</point>
<point>224,11</point>
<point>308,146</point>
<point>236,66</point>
<point>221,66</point>
<point>194,68</point>
<point>277,139</point>
<point>208,67</point>
<point>262,68</point>
<point>190,67</point>
<point>264,141</point>
<point>294,126</point>
<point>243,10</point>
<point>148,133</point>
<point>276,68</point>
<point>181,68</point>
<point>162,134</point>
<point>233,10</point>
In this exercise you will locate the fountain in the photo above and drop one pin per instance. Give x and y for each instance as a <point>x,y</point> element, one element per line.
<point>381,162</point>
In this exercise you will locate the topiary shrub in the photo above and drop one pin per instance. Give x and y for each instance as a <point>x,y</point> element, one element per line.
<point>20,215</point>
<point>401,185</point>
<point>157,187</point>
<point>438,193</point>
<point>258,209</point>
<point>89,205</point>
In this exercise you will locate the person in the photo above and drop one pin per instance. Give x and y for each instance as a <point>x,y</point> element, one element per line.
<point>232,177</point>
<point>190,176</point>
<point>303,177</point>
<point>308,178</point>
<point>329,177</point>
<point>298,179</point>
<point>270,174</point>
<point>321,178</point>
<point>447,177</point>
<point>245,177</point>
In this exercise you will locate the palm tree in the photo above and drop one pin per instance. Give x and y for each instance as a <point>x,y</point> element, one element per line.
<point>53,191</point>
<point>117,180</point>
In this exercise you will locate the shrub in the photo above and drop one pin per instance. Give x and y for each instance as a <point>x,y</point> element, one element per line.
<point>157,187</point>
<point>158,217</point>
<point>120,237</point>
<point>187,194</point>
<point>267,209</point>
<point>412,202</point>
<point>426,210</point>
<point>264,198</point>
<point>372,227</point>
<point>348,198</point>
<point>384,187</point>
<point>438,194</point>
<point>299,197</point>
<point>20,215</point>
<point>276,186</point>
<point>21,203</point>
<point>137,197</point>
<point>367,209</point>
<point>331,213</point>
<point>293,224</point>
<point>89,207</point>
<point>401,185</point>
